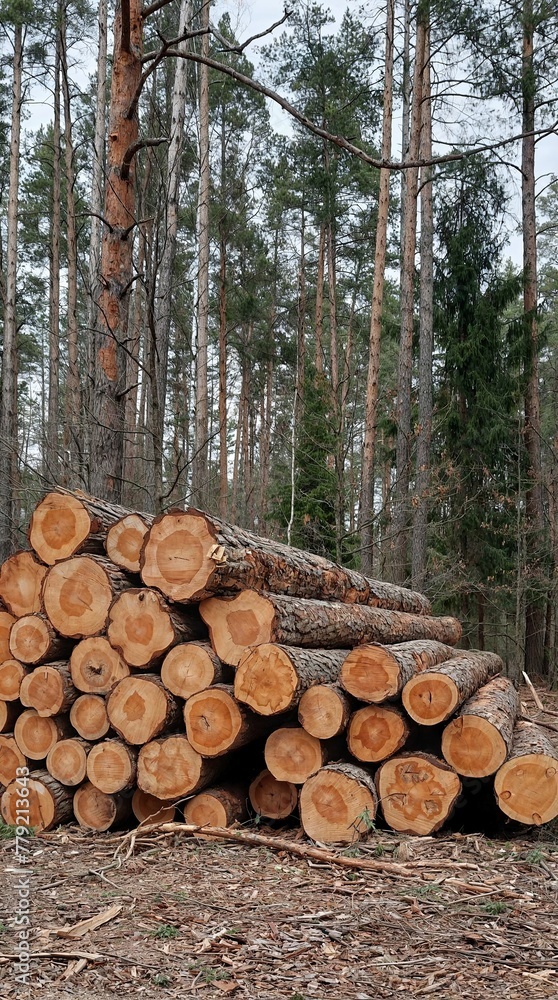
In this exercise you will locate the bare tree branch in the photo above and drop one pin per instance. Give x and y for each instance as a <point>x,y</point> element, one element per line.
<point>240,48</point>
<point>129,156</point>
<point>153,7</point>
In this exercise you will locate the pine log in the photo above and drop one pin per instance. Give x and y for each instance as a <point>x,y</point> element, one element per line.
<point>125,540</point>
<point>375,672</point>
<point>12,673</point>
<point>96,667</point>
<point>191,667</point>
<point>142,627</point>
<point>64,524</point>
<point>49,689</point>
<point>111,766</point>
<point>10,711</point>
<point>95,810</point>
<point>149,809</point>
<point>47,802</point>
<point>33,640</point>
<point>217,723</point>
<point>433,695</point>
<point>271,798</point>
<point>324,711</point>
<point>21,580</point>
<point>170,768</point>
<point>190,556</point>
<point>140,707</point>
<point>36,736</point>
<point>88,716</point>
<point>417,791</point>
<point>220,806</point>
<point>67,760</point>
<point>478,741</point>
<point>6,622</point>
<point>11,758</point>
<point>338,804</point>
<point>526,785</point>
<point>250,619</point>
<point>78,592</point>
<point>291,754</point>
<point>272,678</point>
<point>376,732</point>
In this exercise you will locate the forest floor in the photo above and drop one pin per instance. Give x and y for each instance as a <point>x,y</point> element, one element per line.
<point>454,915</point>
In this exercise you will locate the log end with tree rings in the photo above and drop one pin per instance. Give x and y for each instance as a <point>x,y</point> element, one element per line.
<point>47,802</point>
<point>237,622</point>
<point>190,667</point>
<point>291,754</point>
<point>36,736</point>
<point>6,622</point>
<point>149,809</point>
<point>21,580</point>
<point>11,758</point>
<point>49,689</point>
<point>111,766</point>
<point>271,798</point>
<point>430,698</point>
<point>216,722</point>
<point>140,707</point>
<point>417,792</point>
<point>33,640</point>
<point>67,761</point>
<point>140,627</point>
<point>369,673</point>
<point>77,594</point>
<point>169,768</point>
<point>338,804</point>
<point>179,555</point>
<point>124,541</point>
<point>59,526</point>
<point>376,732</point>
<point>526,785</point>
<point>12,673</point>
<point>88,716</point>
<point>221,806</point>
<point>95,810</point>
<point>473,746</point>
<point>96,667</point>
<point>324,711</point>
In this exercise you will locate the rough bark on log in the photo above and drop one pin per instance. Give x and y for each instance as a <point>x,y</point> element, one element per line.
<point>190,556</point>
<point>324,711</point>
<point>111,766</point>
<point>219,806</point>
<point>11,757</point>
<point>125,539</point>
<point>375,672</point>
<point>142,627</point>
<point>36,736</point>
<point>95,810</point>
<point>65,523</point>
<point>9,713</point>
<point>12,673</point>
<point>250,619</point>
<point>33,640</point>
<point>21,580</point>
<point>417,792</point>
<point>433,695</point>
<point>96,667</point>
<point>272,678</point>
<point>140,707</point>
<point>271,798</point>
<point>149,809</point>
<point>6,622</point>
<point>338,804</point>
<point>526,785</point>
<point>376,732</point>
<point>47,802</point>
<point>291,754</point>
<point>478,741</point>
<point>191,667</point>
<point>88,716</point>
<point>170,768</point>
<point>78,592</point>
<point>67,760</point>
<point>49,689</point>
<point>217,723</point>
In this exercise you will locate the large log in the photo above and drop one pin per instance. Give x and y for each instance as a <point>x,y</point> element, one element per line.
<point>96,667</point>
<point>95,810</point>
<point>78,592</point>
<point>36,736</point>
<point>33,640</point>
<point>217,723</point>
<point>21,579</point>
<point>272,678</point>
<point>526,785</point>
<point>67,760</point>
<point>190,556</point>
<point>191,667</point>
<point>142,627</point>
<point>417,791</point>
<point>12,673</point>
<point>432,696</point>
<point>271,798</point>
<point>250,619</point>
<point>376,732</point>
<point>219,806</point>
<point>291,754</point>
<point>338,804</point>
<point>125,539</point>
<point>89,718</point>
<point>375,672</point>
<point>140,707</point>
<point>6,622</point>
<point>11,758</point>
<point>49,689</point>
<point>47,802</point>
<point>111,766</point>
<point>478,741</point>
<point>64,524</point>
<point>9,713</point>
<point>149,809</point>
<point>324,711</point>
<point>170,768</point>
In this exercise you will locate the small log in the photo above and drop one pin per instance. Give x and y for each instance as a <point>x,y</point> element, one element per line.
<point>65,523</point>
<point>291,754</point>
<point>96,667</point>
<point>21,580</point>
<point>375,672</point>
<point>140,707</point>
<point>33,640</point>
<point>11,758</point>
<point>47,802</point>
<point>191,667</point>
<point>149,809</point>
<point>217,723</point>
<point>272,678</point>
<point>170,768</point>
<point>478,741</point>
<point>220,806</point>
<point>36,736</point>
<point>376,732</point>
<point>95,810</point>
<point>67,760</point>
<point>49,689</point>
<point>324,711</point>
<point>111,766</point>
<point>88,716</point>
<point>250,619</point>
<point>417,791</point>
<point>6,622</point>
<point>78,593</point>
<point>190,556</point>
<point>433,695</point>
<point>526,785</point>
<point>338,804</point>
<point>125,539</point>
<point>271,798</point>
<point>142,627</point>
<point>12,673</point>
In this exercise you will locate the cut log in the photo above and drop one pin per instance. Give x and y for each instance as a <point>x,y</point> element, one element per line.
<point>526,785</point>
<point>433,695</point>
<point>67,761</point>
<point>149,809</point>
<point>338,804</point>
<point>49,689</point>
<point>21,580</point>
<point>217,723</point>
<point>33,640</point>
<point>291,754</point>
<point>46,803</point>
<point>65,523</point>
<point>191,667</point>
<point>376,732</point>
<point>11,758</point>
<point>12,673</point>
<point>10,711</point>
<point>271,798</point>
<point>95,810</point>
<point>78,592</point>
<point>324,711</point>
<point>272,678</point>
<point>96,667</point>
<point>220,806</point>
<point>6,622</point>
<point>36,736</point>
<point>140,707</point>
<point>478,741</point>
<point>111,766</point>
<point>125,540</point>
<point>170,768</point>
<point>250,619</point>
<point>142,627</point>
<point>89,718</point>
<point>375,672</point>
<point>190,556</point>
<point>417,791</point>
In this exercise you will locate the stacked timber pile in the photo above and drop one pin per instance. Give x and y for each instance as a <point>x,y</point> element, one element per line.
<point>149,663</point>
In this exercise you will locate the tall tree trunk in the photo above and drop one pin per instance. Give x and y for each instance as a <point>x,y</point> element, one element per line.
<point>223,448</point>
<point>298,401</point>
<point>405,110</point>
<point>52,451</point>
<point>320,301</point>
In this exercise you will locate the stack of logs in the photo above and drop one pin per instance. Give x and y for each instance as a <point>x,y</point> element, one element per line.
<point>150,663</point>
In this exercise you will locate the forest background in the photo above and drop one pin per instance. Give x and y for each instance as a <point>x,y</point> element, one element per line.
<point>313,329</point>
